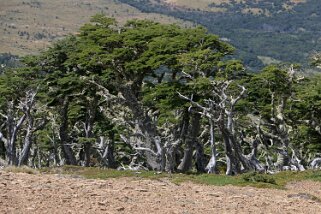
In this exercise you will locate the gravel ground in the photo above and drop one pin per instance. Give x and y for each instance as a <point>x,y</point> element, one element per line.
<point>25,193</point>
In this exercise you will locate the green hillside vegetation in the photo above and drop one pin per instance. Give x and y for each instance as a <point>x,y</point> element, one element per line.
<point>287,31</point>
<point>149,96</point>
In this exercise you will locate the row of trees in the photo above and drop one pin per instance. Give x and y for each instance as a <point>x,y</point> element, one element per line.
<point>161,97</point>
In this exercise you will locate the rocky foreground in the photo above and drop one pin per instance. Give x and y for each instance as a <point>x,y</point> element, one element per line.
<point>25,193</point>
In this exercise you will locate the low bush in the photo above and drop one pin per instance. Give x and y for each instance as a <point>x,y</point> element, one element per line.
<point>256,177</point>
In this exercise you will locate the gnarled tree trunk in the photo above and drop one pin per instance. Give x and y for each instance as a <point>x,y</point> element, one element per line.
<point>211,166</point>
<point>150,143</point>
<point>190,143</point>
<point>63,133</point>
<point>13,126</point>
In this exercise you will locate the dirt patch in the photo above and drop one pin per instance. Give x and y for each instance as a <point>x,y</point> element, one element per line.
<point>25,193</point>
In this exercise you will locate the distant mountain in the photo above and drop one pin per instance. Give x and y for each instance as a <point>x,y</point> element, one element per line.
<point>263,31</point>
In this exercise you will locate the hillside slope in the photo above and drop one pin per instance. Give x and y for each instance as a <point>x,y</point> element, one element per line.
<point>30,25</point>
<point>263,31</point>
<point>250,6</point>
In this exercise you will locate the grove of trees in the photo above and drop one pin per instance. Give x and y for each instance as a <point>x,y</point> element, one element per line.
<point>161,97</point>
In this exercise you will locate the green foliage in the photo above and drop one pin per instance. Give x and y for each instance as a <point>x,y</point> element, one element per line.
<point>309,95</point>
<point>148,57</point>
<point>83,140</point>
<point>272,80</point>
<point>231,70</point>
<point>165,98</point>
<point>101,19</point>
<point>307,110</point>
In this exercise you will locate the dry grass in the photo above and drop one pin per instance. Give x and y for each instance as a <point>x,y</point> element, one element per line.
<point>200,4</point>
<point>23,169</point>
<point>204,5</point>
<point>31,25</point>
<point>276,181</point>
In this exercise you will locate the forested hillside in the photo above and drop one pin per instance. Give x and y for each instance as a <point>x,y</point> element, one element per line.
<point>146,95</point>
<point>265,31</point>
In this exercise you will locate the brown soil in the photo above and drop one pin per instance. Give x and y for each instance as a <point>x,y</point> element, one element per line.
<point>24,193</point>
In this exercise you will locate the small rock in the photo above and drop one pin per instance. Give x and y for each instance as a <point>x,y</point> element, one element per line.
<point>127,187</point>
<point>30,208</point>
<point>236,196</point>
<point>102,203</point>
<point>120,209</point>
<point>142,190</point>
<point>305,196</point>
<point>214,195</point>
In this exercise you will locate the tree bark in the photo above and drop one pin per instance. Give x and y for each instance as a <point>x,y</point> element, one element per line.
<point>211,166</point>
<point>232,163</point>
<point>63,133</point>
<point>199,158</point>
<point>26,145</point>
<point>106,151</point>
<point>28,140</point>
<point>146,127</point>
<point>170,165</point>
<point>12,131</point>
<point>177,137</point>
<point>315,163</point>
<point>190,143</point>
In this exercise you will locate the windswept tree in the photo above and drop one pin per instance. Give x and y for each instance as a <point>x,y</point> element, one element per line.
<point>73,97</point>
<point>142,58</point>
<point>19,114</point>
<point>272,93</point>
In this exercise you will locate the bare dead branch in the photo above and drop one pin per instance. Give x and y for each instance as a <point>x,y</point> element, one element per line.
<point>2,138</point>
<point>193,102</point>
<point>3,115</point>
<point>145,149</point>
